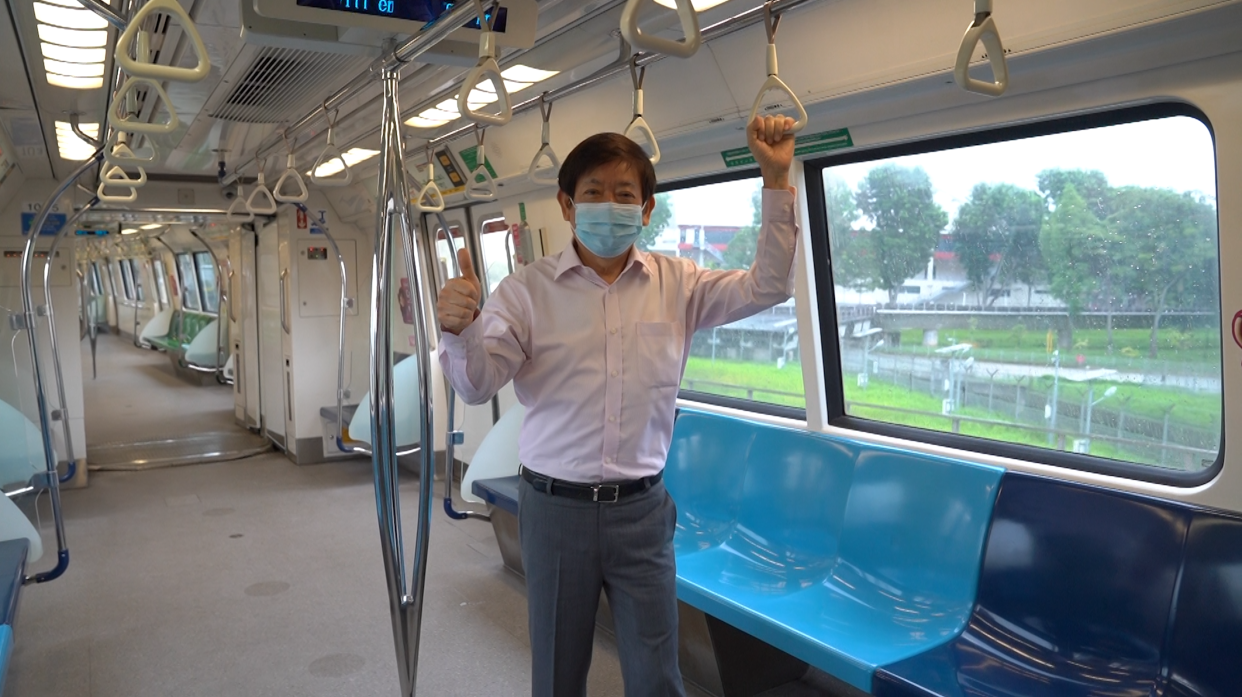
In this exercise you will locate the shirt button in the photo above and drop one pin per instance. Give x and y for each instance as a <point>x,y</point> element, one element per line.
<point>613,330</point>
<point>610,291</point>
<point>614,373</point>
<point>612,419</point>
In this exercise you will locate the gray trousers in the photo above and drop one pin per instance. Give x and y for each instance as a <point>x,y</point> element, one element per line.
<point>571,550</point>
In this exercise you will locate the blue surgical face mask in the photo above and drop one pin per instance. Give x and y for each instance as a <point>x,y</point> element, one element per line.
<point>608,229</point>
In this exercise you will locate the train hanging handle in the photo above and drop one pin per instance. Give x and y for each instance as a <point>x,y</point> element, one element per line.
<point>116,176</point>
<point>119,153</point>
<point>774,82</point>
<point>238,213</point>
<point>300,194</point>
<point>123,121</point>
<point>480,190</point>
<point>142,67</point>
<point>982,30</point>
<point>261,201</point>
<point>638,125</point>
<point>330,153</point>
<point>104,196</point>
<point>545,176</point>
<point>639,41</point>
<point>430,199</point>
<point>485,69</point>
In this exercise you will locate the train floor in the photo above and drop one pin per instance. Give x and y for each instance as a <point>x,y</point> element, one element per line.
<point>257,577</point>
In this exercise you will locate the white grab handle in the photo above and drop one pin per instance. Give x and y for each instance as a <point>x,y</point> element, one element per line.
<point>545,176</point>
<point>143,67</point>
<point>638,125</point>
<point>238,213</point>
<point>480,190</point>
<point>486,69</point>
<point>109,198</point>
<point>774,82</point>
<point>300,193</point>
<point>982,29</point>
<point>261,201</point>
<point>124,123</point>
<point>330,153</point>
<point>116,176</point>
<point>654,44</point>
<point>119,153</point>
<point>430,199</point>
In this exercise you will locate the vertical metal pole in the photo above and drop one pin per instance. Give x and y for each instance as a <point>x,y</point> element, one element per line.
<point>222,297</point>
<point>392,223</point>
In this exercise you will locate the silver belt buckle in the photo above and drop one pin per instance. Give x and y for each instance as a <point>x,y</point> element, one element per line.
<point>616,493</point>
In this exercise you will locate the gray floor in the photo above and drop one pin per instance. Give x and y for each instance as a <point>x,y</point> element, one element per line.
<point>255,577</point>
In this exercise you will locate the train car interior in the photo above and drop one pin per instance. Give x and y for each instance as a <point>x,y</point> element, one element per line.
<point>979,451</point>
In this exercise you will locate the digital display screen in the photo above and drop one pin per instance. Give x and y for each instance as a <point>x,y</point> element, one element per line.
<point>410,10</point>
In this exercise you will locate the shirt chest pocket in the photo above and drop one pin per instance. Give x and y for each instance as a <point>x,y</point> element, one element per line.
<point>659,352</point>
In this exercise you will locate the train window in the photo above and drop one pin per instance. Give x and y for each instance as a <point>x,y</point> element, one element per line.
<point>96,283</point>
<point>207,280</point>
<point>189,282</point>
<point>127,279</point>
<point>135,272</point>
<point>161,281</point>
<point>751,361</point>
<point>498,252</point>
<point>1053,287</point>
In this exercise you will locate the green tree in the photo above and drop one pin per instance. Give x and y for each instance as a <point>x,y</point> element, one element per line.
<point>847,246</point>
<point>1169,241</point>
<point>661,216</point>
<point>905,224</point>
<point>996,235</point>
<point>740,253</point>
<point>1091,185</point>
<point>1075,246</point>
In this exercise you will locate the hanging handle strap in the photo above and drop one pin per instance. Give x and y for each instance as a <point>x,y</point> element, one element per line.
<point>485,69</point>
<point>119,153</point>
<point>291,177</point>
<point>685,48</point>
<point>430,199</point>
<point>774,82</point>
<point>477,190</point>
<point>982,30</point>
<point>638,125</point>
<point>123,120</point>
<point>261,201</point>
<point>116,176</point>
<point>329,154</point>
<point>238,213</point>
<point>545,175</point>
<point>104,196</point>
<point>142,67</point>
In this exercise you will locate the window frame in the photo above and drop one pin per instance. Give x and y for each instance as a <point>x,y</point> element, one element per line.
<point>737,403</point>
<point>127,279</point>
<point>182,280</point>
<point>135,273</point>
<point>834,391</point>
<point>198,258</point>
<point>161,281</point>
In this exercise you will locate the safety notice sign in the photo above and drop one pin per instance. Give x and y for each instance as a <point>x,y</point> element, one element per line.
<point>803,145</point>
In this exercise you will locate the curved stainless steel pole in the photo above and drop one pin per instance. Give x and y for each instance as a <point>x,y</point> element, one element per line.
<point>49,455</point>
<point>66,431</point>
<point>393,222</point>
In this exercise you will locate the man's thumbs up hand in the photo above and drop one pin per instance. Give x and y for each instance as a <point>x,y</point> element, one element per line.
<point>459,300</point>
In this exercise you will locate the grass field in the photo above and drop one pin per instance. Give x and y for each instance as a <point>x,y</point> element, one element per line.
<point>1195,346</point>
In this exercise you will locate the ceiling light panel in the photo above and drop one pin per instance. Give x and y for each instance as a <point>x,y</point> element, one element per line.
<point>73,69</point>
<point>73,41</point>
<point>352,157</point>
<point>74,83</point>
<point>72,147</point>
<point>68,18</point>
<point>97,38</point>
<point>70,54</point>
<point>525,73</point>
<point>698,5</point>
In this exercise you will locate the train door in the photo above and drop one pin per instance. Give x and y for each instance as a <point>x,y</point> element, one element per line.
<point>244,328</point>
<point>272,320</point>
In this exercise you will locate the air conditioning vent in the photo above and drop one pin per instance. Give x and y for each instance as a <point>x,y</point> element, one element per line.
<point>278,83</point>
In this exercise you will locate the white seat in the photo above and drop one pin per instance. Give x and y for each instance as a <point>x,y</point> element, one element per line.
<point>22,455</point>
<point>14,525</point>
<point>497,455</point>
<point>406,407</point>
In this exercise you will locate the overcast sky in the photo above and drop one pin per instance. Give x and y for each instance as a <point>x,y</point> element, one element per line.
<point>1175,153</point>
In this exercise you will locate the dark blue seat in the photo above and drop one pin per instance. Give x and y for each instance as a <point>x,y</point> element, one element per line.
<point>12,572</point>
<point>501,492</point>
<point>1074,598</point>
<point>842,554</point>
<point>1205,654</point>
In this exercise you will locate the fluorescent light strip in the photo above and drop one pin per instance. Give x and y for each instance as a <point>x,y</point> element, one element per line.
<point>73,69</point>
<point>69,54</point>
<point>525,73</point>
<point>698,5</point>
<point>352,157</point>
<point>72,37</point>
<point>516,79</point>
<point>68,18</point>
<point>72,147</point>
<point>74,83</point>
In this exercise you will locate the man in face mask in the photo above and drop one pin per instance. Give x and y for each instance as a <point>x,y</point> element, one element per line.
<point>595,339</point>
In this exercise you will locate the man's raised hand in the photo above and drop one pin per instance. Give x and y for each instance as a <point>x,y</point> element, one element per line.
<point>459,299</point>
<point>773,147</point>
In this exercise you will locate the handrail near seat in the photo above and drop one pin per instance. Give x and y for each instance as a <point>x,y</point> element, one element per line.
<point>486,69</point>
<point>647,43</point>
<point>771,23</point>
<point>638,125</point>
<point>982,29</point>
<point>537,174</point>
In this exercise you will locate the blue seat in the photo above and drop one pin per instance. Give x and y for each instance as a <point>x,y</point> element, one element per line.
<point>501,492</point>
<point>12,572</point>
<point>1074,598</point>
<point>845,555</point>
<point>1207,629</point>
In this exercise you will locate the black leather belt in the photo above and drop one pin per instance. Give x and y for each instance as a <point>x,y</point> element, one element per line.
<point>599,493</point>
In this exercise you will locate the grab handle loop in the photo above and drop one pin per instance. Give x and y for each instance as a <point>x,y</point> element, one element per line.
<point>545,175</point>
<point>330,153</point>
<point>123,121</point>
<point>982,29</point>
<point>142,67</point>
<point>774,82</point>
<point>430,199</point>
<point>485,69</point>
<point>638,125</point>
<point>654,44</point>
<point>104,196</point>
<point>119,153</point>
<point>115,175</point>
<point>291,175</point>
<point>477,190</point>
<point>238,213</point>
<point>261,201</point>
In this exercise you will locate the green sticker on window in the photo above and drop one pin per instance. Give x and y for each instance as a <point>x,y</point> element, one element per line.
<point>803,145</point>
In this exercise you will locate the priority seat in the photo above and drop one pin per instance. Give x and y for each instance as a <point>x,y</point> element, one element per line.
<point>842,554</point>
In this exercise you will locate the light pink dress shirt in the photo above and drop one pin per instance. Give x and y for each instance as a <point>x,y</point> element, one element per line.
<point>598,366</point>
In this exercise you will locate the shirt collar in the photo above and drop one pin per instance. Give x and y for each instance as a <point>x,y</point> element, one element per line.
<point>570,259</point>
